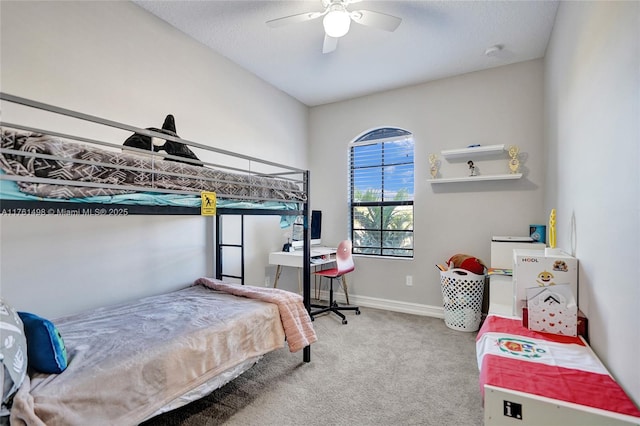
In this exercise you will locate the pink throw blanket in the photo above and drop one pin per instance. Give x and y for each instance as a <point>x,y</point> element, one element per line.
<point>295,318</point>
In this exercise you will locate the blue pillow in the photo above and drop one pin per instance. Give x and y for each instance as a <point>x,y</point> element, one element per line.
<point>46,352</point>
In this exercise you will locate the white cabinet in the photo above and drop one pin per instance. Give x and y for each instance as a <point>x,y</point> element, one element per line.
<point>475,153</point>
<point>502,287</point>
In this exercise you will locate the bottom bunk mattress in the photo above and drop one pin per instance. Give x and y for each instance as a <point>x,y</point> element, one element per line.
<point>128,361</point>
<point>562,368</point>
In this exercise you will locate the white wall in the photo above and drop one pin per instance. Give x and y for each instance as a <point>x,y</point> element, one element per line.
<point>497,106</point>
<point>116,61</point>
<point>592,111</point>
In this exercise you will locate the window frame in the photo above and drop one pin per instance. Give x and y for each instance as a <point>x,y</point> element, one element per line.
<point>369,138</point>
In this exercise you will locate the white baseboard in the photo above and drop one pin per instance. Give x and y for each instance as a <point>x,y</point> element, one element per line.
<point>388,305</point>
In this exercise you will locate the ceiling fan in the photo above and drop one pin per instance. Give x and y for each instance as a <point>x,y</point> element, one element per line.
<point>337,20</point>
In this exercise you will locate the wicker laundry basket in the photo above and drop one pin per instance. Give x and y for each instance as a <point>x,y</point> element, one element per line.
<point>462,293</point>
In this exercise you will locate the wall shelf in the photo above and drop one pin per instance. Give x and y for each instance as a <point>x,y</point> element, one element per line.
<point>475,151</point>
<point>477,178</point>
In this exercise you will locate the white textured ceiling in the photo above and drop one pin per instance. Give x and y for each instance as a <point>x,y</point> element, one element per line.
<point>436,39</point>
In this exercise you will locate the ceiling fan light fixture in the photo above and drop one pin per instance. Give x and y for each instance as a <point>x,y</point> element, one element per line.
<point>336,23</point>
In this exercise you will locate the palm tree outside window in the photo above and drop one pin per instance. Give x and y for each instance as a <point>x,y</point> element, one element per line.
<point>381,188</point>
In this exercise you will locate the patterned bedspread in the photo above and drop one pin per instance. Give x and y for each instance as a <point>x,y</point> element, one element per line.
<point>90,164</point>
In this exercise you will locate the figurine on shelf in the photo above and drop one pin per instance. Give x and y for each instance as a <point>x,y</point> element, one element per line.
<point>514,163</point>
<point>472,168</point>
<point>552,229</point>
<point>433,159</point>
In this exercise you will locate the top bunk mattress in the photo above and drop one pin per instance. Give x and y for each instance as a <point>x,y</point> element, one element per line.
<point>52,168</point>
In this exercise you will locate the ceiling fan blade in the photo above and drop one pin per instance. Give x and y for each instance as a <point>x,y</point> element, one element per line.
<point>330,44</point>
<point>294,19</point>
<point>376,19</point>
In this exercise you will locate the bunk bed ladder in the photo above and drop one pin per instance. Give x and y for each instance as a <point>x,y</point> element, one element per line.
<point>221,245</point>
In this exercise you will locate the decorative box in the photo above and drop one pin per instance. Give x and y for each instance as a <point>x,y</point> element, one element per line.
<point>582,327</point>
<point>552,309</point>
<point>534,268</point>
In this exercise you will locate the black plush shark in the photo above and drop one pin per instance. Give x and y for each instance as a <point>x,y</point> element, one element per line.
<point>172,148</point>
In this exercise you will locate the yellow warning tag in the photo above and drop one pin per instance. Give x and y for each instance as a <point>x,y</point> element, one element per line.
<point>208,206</point>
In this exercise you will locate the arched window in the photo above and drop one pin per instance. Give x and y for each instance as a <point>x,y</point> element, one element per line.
<point>381,190</point>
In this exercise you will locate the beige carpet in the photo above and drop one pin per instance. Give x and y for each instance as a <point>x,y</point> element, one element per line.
<point>382,368</point>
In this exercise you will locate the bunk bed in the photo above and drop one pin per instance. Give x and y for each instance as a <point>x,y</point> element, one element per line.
<point>54,172</point>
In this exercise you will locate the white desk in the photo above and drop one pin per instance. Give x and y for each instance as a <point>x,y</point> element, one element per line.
<point>319,256</point>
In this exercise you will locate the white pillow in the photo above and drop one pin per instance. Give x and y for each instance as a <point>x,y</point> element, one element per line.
<point>14,351</point>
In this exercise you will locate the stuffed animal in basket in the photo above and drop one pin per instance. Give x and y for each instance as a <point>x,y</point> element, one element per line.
<point>466,262</point>
<point>173,148</point>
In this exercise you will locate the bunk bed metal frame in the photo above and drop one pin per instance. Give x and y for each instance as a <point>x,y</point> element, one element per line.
<point>43,207</point>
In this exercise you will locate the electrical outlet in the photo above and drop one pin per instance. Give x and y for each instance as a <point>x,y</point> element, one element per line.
<point>267,281</point>
<point>409,280</point>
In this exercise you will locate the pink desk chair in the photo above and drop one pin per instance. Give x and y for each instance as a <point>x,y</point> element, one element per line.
<point>344,265</point>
